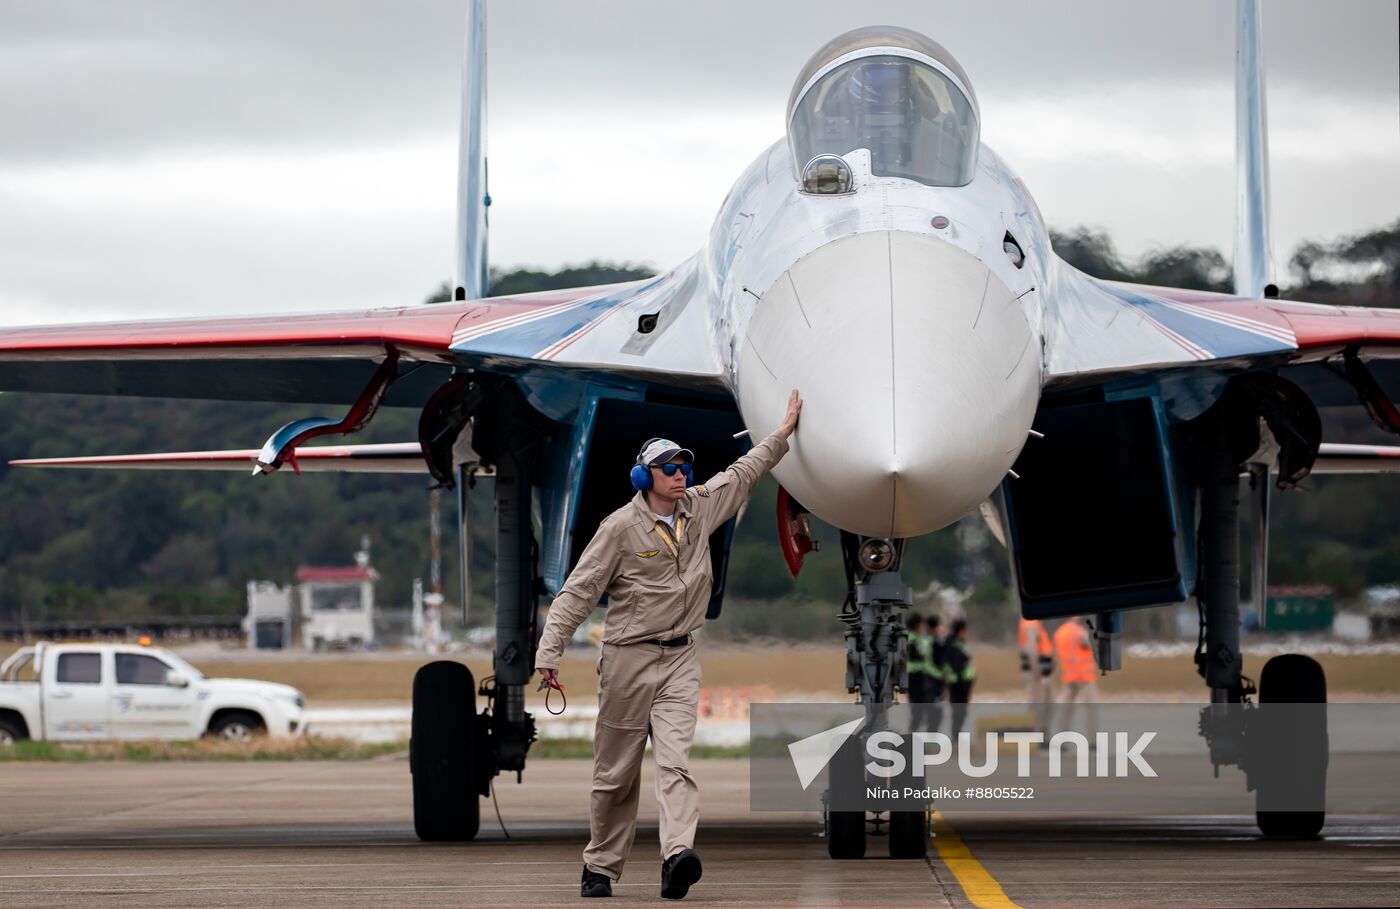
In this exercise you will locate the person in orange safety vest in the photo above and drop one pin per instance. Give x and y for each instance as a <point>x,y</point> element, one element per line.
<point>1078,673</point>
<point>1037,665</point>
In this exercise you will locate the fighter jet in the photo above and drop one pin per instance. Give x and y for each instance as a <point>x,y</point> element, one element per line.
<point>884,260</point>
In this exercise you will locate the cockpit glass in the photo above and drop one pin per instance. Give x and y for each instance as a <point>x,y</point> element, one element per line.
<point>915,121</point>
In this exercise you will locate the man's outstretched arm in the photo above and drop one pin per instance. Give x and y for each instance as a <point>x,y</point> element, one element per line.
<point>731,487</point>
<point>580,594</point>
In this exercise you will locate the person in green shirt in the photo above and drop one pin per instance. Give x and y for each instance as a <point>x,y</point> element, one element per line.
<point>925,674</point>
<point>959,671</point>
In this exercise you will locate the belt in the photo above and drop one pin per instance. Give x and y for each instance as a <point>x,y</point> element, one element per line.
<point>674,642</point>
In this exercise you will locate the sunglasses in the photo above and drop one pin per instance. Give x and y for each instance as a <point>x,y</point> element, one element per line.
<point>670,469</point>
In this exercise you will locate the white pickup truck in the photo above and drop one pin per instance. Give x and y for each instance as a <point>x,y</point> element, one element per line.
<point>97,692</point>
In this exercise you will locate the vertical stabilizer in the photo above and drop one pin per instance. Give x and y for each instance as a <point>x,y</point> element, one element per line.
<point>1254,261</point>
<point>470,276</point>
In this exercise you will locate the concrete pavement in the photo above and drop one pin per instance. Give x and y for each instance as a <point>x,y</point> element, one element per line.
<point>287,834</point>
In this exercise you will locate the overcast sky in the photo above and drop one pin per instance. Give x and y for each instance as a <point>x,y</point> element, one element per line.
<point>176,158</point>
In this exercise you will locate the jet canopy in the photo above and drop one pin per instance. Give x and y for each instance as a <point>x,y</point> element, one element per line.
<point>893,92</point>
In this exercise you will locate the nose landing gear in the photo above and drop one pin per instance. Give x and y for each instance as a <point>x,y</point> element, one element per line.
<point>877,600</point>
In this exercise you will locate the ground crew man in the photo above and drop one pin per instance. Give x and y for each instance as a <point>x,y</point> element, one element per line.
<point>1037,667</point>
<point>1078,673</point>
<point>652,558</point>
<point>925,676</point>
<point>959,671</point>
<point>940,647</point>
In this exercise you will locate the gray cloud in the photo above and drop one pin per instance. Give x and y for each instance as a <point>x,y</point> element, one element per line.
<point>93,79</point>
<point>246,103</point>
<point>90,80</point>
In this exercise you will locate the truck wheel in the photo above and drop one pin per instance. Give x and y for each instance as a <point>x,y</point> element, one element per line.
<point>237,726</point>
<point>10,734</point>
<point>441,754</point>
<point>1292,678</point>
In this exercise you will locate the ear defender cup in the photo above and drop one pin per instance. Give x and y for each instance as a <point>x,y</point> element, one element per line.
<point>641,474</point>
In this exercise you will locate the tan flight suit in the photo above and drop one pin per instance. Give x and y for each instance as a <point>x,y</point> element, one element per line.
<point>658,586</point>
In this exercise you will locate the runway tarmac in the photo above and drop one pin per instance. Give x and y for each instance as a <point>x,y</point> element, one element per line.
<point>287,834</point>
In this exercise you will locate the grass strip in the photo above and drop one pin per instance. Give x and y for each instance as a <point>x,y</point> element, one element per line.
<point>308,748</point>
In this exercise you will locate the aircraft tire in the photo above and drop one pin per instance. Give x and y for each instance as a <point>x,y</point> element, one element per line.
<point>909,834</point>
<point>1292,678</point>
<point>441,753</point>
<point>845,834</point>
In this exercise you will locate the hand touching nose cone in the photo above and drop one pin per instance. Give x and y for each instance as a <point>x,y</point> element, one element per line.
<point>794,409</point>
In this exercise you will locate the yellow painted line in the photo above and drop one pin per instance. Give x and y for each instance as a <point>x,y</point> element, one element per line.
<point>981,888</point>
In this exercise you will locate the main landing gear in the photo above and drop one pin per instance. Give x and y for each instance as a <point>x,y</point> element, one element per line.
<point>455,752</point>
<point>1283,753</point>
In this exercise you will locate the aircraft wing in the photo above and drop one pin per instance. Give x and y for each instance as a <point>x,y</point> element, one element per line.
<point>656,331</point>
<point>1103,331</point>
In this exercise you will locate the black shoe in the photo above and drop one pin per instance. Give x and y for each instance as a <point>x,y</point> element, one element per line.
<point>678,872</point>
<point>594,884</point>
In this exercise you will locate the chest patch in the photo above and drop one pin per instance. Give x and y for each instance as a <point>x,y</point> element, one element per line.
<point>649,553</point>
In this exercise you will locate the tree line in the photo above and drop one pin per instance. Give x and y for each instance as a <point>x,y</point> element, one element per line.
<point>116,544</point>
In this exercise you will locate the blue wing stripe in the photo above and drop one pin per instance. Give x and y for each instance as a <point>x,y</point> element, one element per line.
<point>1221,341</point>
<point>529,339</point>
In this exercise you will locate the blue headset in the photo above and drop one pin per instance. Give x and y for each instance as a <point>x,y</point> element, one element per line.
<point>641,473</point>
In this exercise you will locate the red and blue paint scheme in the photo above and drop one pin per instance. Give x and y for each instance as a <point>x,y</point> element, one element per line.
<point>885,262</point>
<point>937,342</point>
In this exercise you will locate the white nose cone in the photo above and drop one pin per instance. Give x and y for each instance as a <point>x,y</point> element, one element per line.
<point>919,375</point>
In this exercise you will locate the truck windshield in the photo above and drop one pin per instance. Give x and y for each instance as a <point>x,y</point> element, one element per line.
<point>184,667</point>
